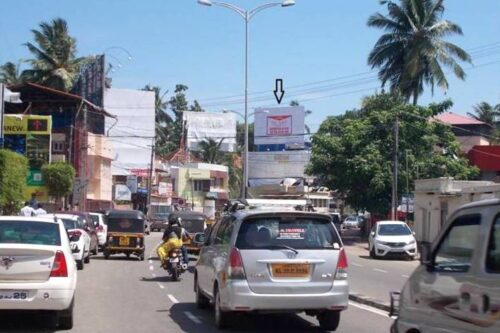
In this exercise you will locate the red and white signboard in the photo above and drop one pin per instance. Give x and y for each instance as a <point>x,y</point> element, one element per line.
<point>283,125</point>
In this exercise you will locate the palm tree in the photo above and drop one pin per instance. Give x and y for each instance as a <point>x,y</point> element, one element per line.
<point>413,52</point>
<point>9,74</point>
<point>210,150</point>
<point>54,64</point>
<point>486,113</point>
<point>163,120</point>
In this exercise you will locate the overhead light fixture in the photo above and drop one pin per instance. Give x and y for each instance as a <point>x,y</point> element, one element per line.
<point>205,2</point>
<point>286,3</point>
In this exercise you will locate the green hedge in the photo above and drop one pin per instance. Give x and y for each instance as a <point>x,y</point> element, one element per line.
<point>13,173</point>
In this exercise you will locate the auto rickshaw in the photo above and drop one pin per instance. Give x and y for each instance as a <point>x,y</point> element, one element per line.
<point>126,230</point>
<point>194,223</point>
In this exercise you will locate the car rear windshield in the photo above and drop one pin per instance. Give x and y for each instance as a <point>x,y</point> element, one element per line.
<point>27,232</point>
<point>298,233</point>
<point>70,224</point>
<point>193,226</point>
<point>125,225</point>
<point>393,230</point>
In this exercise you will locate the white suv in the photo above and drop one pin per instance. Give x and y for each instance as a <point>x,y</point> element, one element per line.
<point>279,261</point>
<point>37,270</point>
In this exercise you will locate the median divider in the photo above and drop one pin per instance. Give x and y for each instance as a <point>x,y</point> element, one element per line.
<point>369,302</point>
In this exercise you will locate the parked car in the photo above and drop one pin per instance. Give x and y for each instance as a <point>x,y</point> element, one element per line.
<point>392,238</point>
<point>101,227</point>
<point>456,287</point>
<point>78,237</point>
<point>91,230</point>
<point>277,261</point>
<point>37,270</point>
<point>352,222</point>
<point>336,219</point>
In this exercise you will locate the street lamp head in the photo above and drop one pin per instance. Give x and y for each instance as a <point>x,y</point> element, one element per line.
<point>286,3</point>
<point>205,2</point>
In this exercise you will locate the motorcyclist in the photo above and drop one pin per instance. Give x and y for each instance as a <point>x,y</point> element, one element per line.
<point>175,225</point>
<point>172,242</point>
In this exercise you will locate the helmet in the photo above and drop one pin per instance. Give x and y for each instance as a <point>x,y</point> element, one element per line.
<point>173,220</point>
<point>172,235</point>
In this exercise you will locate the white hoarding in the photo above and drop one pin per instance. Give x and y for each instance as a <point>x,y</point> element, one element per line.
<point>283,125</point>
<point>217,126</point>
<point>122,193</point>
<point>265,167</point>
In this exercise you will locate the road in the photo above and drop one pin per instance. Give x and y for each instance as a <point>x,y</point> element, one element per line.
<point>130,296</point>
<point>375,278</point>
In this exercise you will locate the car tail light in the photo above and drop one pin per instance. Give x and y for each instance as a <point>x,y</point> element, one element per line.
<point>59,268</point>
<point>236,271</point>
<point>341,273</point>
<point>74,235</point>
<point>99,228</point>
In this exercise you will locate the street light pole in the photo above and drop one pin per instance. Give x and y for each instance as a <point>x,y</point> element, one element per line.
<point>247,16</point>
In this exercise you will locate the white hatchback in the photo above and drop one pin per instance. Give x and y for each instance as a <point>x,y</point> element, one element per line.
<point>101,227</point>
<point>37,269</point>
<point>392,238</point>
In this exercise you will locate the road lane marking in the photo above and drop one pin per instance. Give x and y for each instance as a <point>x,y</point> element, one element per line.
<point>370,309</point>
<point>380,270</point>
<point>405,276</point>
<point>151,268</point>
<point>161,286</point>
<point>357,265</point>
<point>173,299</point>
<point>193,318</point>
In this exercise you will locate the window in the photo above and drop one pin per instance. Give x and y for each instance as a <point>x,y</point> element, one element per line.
<point>198,186</point>
<point>393,230</point>
<point>58,147</point>
<point>27,232</point>
<point>493,256</point>
<point>455,251</point>
<point>224,232</point>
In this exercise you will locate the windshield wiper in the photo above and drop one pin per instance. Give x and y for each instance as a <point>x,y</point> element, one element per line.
<point>281,247</point>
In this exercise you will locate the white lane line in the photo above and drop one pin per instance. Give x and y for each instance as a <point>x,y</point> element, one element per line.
<point>173,299</point>
<point>355,264</point>
<point>380,270</point>
<point>161,286</point>
<point>405,276</point>
<point>153,275</point>
<point>193,318</point>
<point>151,268</point>
<point>150,261</point>
<point>370,309</point>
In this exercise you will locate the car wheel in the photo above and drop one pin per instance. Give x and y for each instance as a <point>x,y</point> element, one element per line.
<point>141,257</point>
<point>372,253</point>
<point>87,259</point>
<point>79,264</point>
<point>222,318</point>
<point>329,320</point>
<point>66,318</point>
<point>106,254</point>
<point>95,250</point>
<point>202,302</point>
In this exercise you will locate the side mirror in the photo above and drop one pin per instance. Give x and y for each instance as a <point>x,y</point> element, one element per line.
<point>372,233</point>
<point>426,254</point>
<point>199,239</point>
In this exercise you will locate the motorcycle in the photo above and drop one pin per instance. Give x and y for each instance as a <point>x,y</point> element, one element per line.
<point>175,265</point>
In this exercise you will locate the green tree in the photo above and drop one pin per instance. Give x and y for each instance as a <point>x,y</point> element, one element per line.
<point>413,52</point>
<point>210,151</point>
<point>13,172</point>
<point>162,118</point>
<point>240,136</point>
<point>353,153</point>
<point>55,63</point>
<point>58,178</point>
<point>486,113</point>
<point>9,74</point>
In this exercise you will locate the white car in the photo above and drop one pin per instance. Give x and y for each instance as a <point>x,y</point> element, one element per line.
<point>78,237</point>
<point>392,238</point>
<point>101,227</point>
<point>352,222</point>
<point>37,270</point>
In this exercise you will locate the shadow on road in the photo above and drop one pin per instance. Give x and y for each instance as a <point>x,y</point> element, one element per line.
<point>183,313</point>
<point>388,258</point>
<point>117,258</point>
<point>24,323</point>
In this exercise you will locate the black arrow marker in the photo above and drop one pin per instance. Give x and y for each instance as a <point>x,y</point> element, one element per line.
<point>279,92</point>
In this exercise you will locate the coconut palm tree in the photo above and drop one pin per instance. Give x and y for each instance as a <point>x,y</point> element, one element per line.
<point>486,113</point>
<point>412,52</point>
<point>210,150</point>
<point>55,63</point>
<point>163,121</point>
<point>9,74</point>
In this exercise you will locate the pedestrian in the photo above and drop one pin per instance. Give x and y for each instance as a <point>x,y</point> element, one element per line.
<point>27,210</point>
<point>39,210</point>
<point>33,202</point>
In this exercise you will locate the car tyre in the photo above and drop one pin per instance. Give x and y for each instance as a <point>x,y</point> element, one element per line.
<point>95,250</point>
<point>222,318</point>
<point>87,259</point>
<point>106,254</point>
<point>141,257</point>
<point>372,253</point>
<point>202,302</point>
<point>79,264</point>
<point>329,320</point>
<point>66,317</point>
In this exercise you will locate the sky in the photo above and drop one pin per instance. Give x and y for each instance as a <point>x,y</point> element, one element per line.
<point>318,47</point>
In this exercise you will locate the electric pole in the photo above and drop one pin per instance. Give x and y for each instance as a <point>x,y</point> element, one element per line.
<point>150,180</point>
<point>395,171</point>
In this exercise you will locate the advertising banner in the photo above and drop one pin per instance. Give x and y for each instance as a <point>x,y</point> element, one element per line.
<point>283,125</point>
<point>90,82</point>
<point>216,126</point>
<point>122,193</point>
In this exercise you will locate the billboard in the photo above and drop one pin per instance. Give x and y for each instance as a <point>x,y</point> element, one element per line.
<point>264,167</point>
<point>90,82</point>
<point>216,126</point>
<point>282,125</point>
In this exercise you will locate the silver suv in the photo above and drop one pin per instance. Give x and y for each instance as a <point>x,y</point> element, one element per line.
<point>274,261</point>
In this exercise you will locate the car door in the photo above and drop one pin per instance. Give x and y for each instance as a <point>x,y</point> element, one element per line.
<point>440,296</point>
<point>81,225</point>
<point>205,259</point>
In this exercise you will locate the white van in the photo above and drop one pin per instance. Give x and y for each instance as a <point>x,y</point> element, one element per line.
<point>457,286</point>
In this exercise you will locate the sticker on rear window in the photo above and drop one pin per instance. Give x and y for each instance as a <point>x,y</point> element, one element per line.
<point>291,233</point>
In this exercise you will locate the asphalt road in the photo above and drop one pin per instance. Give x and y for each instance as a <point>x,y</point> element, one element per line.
<point>130,296</point>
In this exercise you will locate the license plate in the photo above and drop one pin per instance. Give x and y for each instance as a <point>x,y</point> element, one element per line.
<point>124,241</point>
<point>174,260</point>
<point>290,270</point>
<point>13,295</point>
